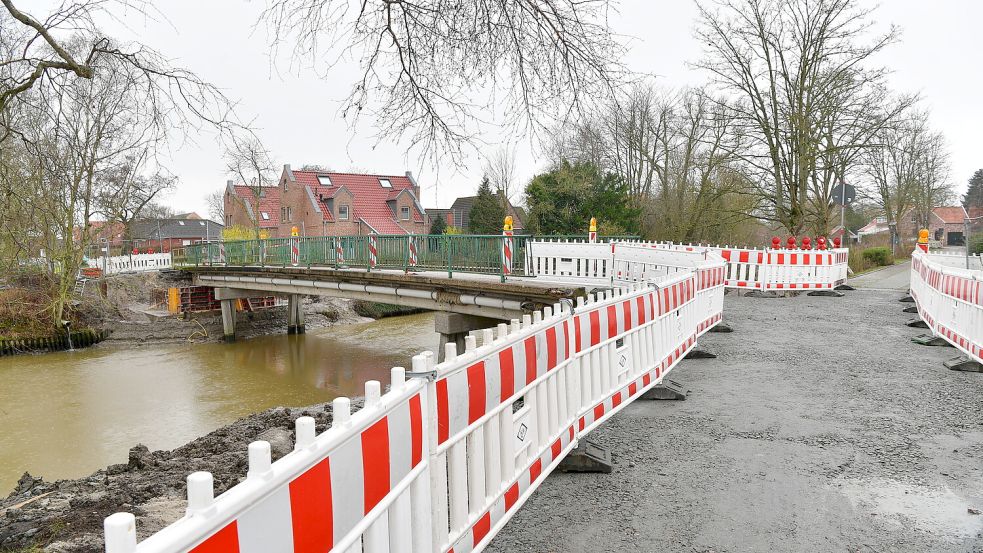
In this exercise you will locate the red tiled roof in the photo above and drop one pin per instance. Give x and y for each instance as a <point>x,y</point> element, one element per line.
<point>269,203</point>
<point>369,203</point>
<point>950,214</point>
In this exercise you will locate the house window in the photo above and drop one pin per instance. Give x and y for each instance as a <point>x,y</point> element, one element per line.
<point>324,180</point>
<point>343,212</point>
<point>385,183</point>
<point>265,215</point>
<point>404,213</point>
<point>285,214</point>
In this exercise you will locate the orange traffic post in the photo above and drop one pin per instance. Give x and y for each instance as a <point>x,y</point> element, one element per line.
<point>923,240</point>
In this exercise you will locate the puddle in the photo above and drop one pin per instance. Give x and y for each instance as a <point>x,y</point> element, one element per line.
<point>939,511</point>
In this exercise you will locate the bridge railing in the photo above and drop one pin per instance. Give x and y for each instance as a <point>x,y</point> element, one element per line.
<point>442,461</point>
<point>949,300</point>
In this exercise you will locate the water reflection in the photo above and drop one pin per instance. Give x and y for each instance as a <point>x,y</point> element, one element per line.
<point>66,414</point>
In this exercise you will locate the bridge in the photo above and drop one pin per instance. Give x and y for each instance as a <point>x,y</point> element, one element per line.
<point>476,282</point>
<point>444,458</point>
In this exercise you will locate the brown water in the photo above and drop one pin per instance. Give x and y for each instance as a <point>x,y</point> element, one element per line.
<point>64,415</point>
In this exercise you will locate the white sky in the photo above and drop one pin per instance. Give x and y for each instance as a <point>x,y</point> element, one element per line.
<point>297,117</point>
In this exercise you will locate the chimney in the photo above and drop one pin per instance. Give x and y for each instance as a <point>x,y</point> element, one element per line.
<point>228,182</point>
<point>288,172</point>
<point>416,187</point>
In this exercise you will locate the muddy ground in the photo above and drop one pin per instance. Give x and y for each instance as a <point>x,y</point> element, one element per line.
<point>820,427</point>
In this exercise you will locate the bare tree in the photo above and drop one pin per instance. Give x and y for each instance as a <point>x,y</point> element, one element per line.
<point>125,192</point>
<point>250,163</point>
<point>216,205</point>
<point>432,71</point>
<point>799,70</point>
<point>501,171</point>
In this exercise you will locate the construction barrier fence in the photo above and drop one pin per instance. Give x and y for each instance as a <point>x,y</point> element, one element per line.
<point>949,299</point>
<point>446,457</point>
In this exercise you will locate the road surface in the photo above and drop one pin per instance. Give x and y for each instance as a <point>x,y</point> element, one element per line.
<point>820,427</point>
<point>895,277</point>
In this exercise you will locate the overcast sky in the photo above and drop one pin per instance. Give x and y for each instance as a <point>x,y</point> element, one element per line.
<point>296,114</point>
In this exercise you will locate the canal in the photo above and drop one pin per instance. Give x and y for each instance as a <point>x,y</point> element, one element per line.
<point>66,414</point>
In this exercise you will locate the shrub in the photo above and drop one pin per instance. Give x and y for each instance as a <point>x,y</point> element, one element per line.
<point>976,244</point>
<point>879,256</point>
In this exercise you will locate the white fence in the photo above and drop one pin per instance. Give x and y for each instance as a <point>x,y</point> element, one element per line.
<point>949,299</point>
<point>746,268</point>
<point>131,263</point>
<point>441,462</point>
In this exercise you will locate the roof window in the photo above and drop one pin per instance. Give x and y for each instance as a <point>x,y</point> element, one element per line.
<point>324,180</point>
<point>265,215</point>
<point>181,223</point>
<point>385,183</point>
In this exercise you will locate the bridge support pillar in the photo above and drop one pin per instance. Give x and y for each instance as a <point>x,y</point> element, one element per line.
<point>454,327</point>
<point>295,314</point>
<point>229,320</point>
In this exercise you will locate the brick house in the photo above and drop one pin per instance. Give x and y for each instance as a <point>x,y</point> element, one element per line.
<point>327,203</point>
<point>947,226</point>
<point>459,214</point>
<point>166,234</point>
<point>241,208</point>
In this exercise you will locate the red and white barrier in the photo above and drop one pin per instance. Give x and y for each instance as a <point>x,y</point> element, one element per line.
<point>785,269</point>
<point>441,462</point>
<point>295,251</point>
<point>373,251</point>
<point>339,251</point>
<point>138,263</point>
<point>949,299</point>
<point>507,250</point>
<point>413,259</point>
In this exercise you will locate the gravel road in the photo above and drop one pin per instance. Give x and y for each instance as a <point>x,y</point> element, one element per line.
<point>820,427</point>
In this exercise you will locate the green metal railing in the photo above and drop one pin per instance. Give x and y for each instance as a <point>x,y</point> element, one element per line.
<point>449,253</point>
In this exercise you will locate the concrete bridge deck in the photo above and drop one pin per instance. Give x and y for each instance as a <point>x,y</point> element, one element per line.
<point>820,427</point>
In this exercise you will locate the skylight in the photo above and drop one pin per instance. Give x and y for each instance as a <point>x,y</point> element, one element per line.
<point>181,223</point>
<point>266,216</point>
<point>385,183</point>
<point>324,180</point>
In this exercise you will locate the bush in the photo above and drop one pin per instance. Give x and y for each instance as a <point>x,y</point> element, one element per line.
<point>976,244</point>
<point>879,256</point>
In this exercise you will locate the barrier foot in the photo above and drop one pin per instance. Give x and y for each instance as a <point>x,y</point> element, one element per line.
<point>700,353</point>
<point>907,299</point>
<point>826,293</point>
<point>845,288</point>
<point>761,294</point>
<point>963,364</point>
<point>587,457</point>
<point>910,309</point>
<point>929,340</point>
<point>723,328</point>
<point>667,390</point>
<point>917,323</point>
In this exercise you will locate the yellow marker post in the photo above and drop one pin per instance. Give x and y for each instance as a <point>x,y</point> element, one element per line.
<point>923,240</point>
<point>294,231</point>
<point>592,233</point>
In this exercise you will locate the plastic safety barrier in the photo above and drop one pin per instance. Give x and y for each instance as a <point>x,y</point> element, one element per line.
<point>746,268</point>
<point>139,263</point>
<point>442,461</point>
<point>949,299</point>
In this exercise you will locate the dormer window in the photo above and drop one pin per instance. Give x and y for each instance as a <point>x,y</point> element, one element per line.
<point>385,183</point>
<point>324,180</point>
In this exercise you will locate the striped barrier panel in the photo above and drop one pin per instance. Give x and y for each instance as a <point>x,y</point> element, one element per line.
<point>440,463</point>
<point>138,263</point>
<point>949,300</point>
<point>558,260</point>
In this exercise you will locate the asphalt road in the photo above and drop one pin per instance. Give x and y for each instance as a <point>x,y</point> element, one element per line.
<point>895,277</point>
<point>820,427</point>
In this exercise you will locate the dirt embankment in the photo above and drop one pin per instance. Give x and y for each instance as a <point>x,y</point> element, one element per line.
<point>67,516</point>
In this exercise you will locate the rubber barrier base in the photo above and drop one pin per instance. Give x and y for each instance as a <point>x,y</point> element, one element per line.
<point>963,364</point>
<point>929,340</point>
<point>722,328</point>
<point>669,390</point>
<point>587,457</point>
<point>907,299</point>
<point>826,293</point>
<point>910,309</point>
<point>700,353</point>
<point>760,294</point>
<point>845,288</point>
<point>917,323</point>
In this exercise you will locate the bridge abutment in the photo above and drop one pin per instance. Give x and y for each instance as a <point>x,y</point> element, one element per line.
<point>454,328</point>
